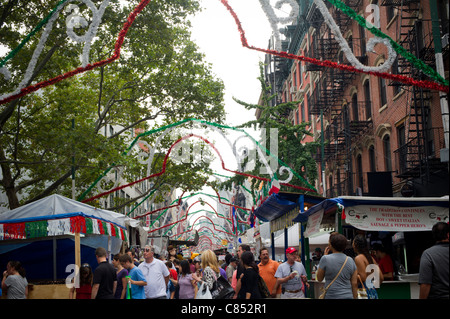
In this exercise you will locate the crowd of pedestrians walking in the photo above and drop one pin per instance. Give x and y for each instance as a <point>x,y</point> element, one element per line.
<point>241,277</point>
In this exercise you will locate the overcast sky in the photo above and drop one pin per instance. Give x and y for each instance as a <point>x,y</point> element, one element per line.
<point>215,31</point>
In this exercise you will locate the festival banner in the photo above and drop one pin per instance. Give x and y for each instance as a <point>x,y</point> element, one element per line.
<point>395,219</point>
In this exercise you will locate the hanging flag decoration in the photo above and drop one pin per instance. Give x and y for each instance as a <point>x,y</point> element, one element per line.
<point>341,210</point>
<point>274,185</point>
<point>58,227</point>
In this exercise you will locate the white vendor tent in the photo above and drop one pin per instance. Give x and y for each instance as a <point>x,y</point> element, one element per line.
<point>58,230</point>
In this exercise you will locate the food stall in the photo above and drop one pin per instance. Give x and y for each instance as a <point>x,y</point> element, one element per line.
<point>402,225</point>
<point>280,210</point>
<point>49,235</point>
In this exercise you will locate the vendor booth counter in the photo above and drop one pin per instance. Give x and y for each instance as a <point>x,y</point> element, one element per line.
<point>50,234</point>
<point>407,288</point>
<point>403,225</point>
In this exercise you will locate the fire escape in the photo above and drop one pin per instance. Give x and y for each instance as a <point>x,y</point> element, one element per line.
<point>417,157</point>
<point>347,122</point>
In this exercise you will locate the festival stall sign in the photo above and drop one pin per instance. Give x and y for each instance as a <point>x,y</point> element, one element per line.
<point>380,213</point>
<point>57,215</point>
<point>395,219</point>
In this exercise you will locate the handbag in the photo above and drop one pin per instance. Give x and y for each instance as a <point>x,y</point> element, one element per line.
<point>362,292</point>
<point>203,292</point>
<point>263,290</point>
<point>221,289</point>
<point>324,291</point>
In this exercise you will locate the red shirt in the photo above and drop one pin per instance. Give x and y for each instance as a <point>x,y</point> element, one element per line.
<point>386,265</point>
<point>84,292</point>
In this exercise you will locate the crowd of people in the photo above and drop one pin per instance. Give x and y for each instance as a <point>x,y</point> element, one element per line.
<point>154,277</point>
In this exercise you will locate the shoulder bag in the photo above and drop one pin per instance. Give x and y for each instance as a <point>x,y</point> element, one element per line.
<point>221,288</point>
<point>263,290</point>
<point>324,291</point>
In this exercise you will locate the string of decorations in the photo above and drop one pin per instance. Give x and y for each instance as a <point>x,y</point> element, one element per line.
<point>417,63</point>
<point>165,128</point>
<point>60,226</point>
<point>22,91</point>
<point>329,64</point>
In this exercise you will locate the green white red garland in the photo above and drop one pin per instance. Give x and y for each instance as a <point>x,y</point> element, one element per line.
<point>329,64</point>
<point>59,227</point>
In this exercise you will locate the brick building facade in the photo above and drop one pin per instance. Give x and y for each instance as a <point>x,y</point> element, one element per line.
<point>381,138</point>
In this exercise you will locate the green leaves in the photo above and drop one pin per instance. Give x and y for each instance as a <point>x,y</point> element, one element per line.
<point>160,77</point>
<point>292,148</point>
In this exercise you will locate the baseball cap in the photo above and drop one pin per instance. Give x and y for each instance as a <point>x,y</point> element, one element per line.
<point>291,250</point>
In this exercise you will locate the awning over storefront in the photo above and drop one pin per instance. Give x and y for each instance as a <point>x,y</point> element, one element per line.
<point>277,205</point>
<point>274,206</point>
<point>380,213</point>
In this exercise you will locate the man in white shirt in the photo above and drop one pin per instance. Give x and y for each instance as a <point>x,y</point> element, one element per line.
<point>156,274</point>
<point>290,275</point>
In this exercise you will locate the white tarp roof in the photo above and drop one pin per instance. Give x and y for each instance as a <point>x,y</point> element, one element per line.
<point>57,206</point>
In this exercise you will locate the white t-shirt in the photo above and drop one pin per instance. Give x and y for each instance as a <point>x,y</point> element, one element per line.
<point>285,270</point>
<point>154,272</point>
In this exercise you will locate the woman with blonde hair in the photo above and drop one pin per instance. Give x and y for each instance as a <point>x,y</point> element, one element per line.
<point>210,266</point>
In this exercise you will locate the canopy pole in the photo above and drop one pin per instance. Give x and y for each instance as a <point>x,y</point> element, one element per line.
<point>286,242</point>
<point>272,242</point>
<point>77,250</point>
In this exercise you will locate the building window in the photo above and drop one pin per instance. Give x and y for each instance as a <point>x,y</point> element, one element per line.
<point>367,100</point>
<point>391,11</point>
<point>302,108</point>
<point>355,107</point>
<point>383,98</point>
<point>362,40</point>
<point>308,100</point>
<point>387,153</point>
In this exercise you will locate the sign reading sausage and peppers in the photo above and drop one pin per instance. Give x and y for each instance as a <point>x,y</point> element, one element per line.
<point>392,218</point>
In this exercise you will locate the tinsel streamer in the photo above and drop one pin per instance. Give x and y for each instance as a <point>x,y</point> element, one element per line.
<point>417,63</point>
<point>123,235</point>
<point>214,126</point>
<point>101,229</point>
<point>166,159</point>
<point>14,231</point>
<point>113,230</point>
<point>89,226</point>
<point>77,224</point>
<point>384,67</point>
<point>115,56</point>
<point>274,20</point>
<point>36,229</point>
<point>36,29</point>
<point>105,227</point>
<point>329,64</point>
